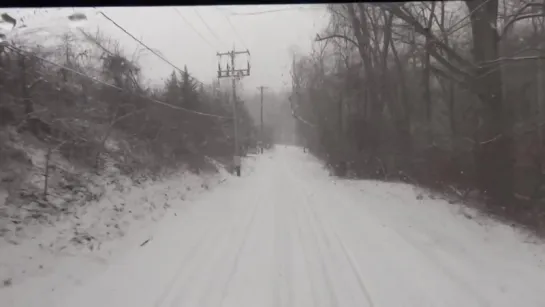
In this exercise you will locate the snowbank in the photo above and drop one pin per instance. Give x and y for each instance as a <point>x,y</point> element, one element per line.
<point>42,256</point>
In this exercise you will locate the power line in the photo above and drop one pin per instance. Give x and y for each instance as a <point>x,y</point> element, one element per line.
<point>274,11</point>
<point>111,85</point>
<point>236,33</point>
<point>192,27</point>
<point>223,9</point>
<point>207,26</point>
<point>146,46</point>
<point>234,29</point>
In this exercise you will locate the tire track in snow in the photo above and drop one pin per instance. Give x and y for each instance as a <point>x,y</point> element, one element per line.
<point>289,252</point>
<point>412,245</point>
<point>326,277</point>
<point>282,253</point>
<point>324,229</point>
<point>301,241</point>
<point>355,269</point>
<point>179,271</point>
<point>308,256</point>
<point>321,225</point>
<point>325,273</point>
<point>293,254</point>
<point>326,187</point>
<point>307,261</point>
<point>235,266</point>
<point>217,271</point>
<point>189,256</point>
<point>213,248</point>
<point>208,233</point>
<point>432,259</point>
<point>233,251</point>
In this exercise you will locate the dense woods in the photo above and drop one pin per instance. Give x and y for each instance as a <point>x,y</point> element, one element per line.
<point>83,102</point>
<point>448,95</point>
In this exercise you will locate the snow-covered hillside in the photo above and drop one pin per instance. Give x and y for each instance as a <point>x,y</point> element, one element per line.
<point>56,250</point>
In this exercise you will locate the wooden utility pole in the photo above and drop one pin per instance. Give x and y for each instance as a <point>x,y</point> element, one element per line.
<point>262,136</point>
<point>234,74</point>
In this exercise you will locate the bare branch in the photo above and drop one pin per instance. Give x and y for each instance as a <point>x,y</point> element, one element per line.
<point>439,72</point>
<point>520,16</point>
<point>514,59</point>
<point>333,36</point>
<point>398,12</point>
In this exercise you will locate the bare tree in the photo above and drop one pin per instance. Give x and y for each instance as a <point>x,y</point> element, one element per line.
<point>445,93</point>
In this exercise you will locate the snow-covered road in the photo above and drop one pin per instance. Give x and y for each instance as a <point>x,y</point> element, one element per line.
<point>289,235</point>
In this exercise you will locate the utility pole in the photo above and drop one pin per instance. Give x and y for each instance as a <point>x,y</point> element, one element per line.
<point>540,101</point>
<point>262,136</point>
<point>234,74</point>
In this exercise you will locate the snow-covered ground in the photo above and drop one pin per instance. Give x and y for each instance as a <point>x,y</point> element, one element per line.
<point>58,251</point>
<point>287,234</point>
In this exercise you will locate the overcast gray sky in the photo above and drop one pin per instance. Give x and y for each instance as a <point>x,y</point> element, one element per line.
<point>189,41</point>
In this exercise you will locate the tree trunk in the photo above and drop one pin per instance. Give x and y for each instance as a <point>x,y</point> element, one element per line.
<point>361,32</point>
<point>494,152</point>
<point>427,78</point>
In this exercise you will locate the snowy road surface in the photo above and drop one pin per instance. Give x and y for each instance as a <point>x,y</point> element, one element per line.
<point>286,234</point>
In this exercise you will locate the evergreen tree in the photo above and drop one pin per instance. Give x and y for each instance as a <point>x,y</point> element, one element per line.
<point>172,89</point>
<point>188,89</point>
